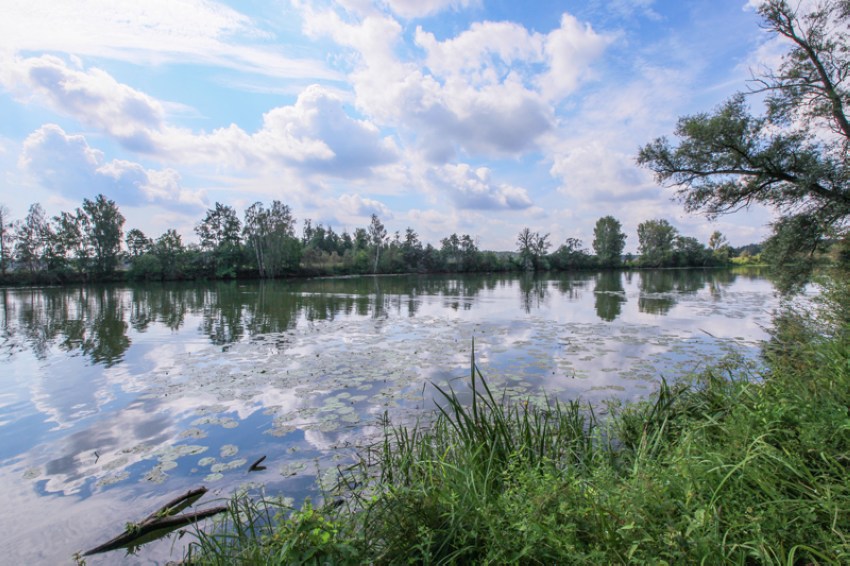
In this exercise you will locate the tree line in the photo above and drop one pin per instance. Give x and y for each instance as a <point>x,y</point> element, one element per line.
<point>90,244</point>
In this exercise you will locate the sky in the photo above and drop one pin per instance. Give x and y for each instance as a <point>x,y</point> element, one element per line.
<point>475,117</point>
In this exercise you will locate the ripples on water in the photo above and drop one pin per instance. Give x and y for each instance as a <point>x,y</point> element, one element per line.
<point>112,399</point>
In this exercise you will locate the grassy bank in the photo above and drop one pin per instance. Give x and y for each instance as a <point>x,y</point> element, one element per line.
<point>726,467</point>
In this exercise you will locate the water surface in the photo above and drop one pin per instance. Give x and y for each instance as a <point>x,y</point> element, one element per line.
<point>115,398</point>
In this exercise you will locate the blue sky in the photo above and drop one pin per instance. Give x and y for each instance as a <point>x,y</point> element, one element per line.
<point>465,116</point>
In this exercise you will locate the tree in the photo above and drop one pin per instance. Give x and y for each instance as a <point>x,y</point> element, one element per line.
<point>450,250</point>
<point>219,227</point>
<point>608,241</point>
<point>377,238</point>
<point>53,251</point>
<point>532,248</point>
<point>468,253</point>
<point>571,255</point>
<point>70,233</point>
<point>170,252</point>
<point>655,242</point>
<point>104,230</point>
<point>137,243</point>
<point>6,239</point>
<point>361,239</point>
<point>718,245</point>
<point>794,157</point>
<point>345,242</point>
<point>270,234</point>
<point>689,252</point>
<point>411,249</point>
<point>219,234</point>
<point>29,238</point>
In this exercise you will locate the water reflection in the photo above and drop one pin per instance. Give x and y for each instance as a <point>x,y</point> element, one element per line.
<point>96,320</point>
<point>609,295</point>
<point>533,292</point>
<point>90,320</point>
<point>661,289</point>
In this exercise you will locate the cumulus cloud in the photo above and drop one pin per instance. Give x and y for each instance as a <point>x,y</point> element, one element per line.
<point>350,146</point>
<point>355,205</point>
<point>569,51</point>
<point>69,165</point>
<point>488,91</point>
<point>92,97</point>
<point>315,134</point>
<point>474,189</point>
<point>591,170</point>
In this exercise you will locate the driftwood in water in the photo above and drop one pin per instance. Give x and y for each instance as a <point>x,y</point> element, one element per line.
<point>159,523</point>
<point>256,467</point>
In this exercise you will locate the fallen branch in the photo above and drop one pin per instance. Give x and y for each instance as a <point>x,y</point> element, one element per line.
<point>159,523</point>
<point>256,467</point>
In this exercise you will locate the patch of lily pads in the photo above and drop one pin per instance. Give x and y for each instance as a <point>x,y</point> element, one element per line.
<point>327,383</point>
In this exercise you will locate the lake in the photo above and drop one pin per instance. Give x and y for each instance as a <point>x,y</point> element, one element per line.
<point>113,399</point>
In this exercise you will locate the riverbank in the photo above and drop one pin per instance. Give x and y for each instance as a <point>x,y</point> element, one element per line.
<point>728,466</point>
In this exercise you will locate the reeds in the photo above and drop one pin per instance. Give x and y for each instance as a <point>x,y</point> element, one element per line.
<point>724,468</point>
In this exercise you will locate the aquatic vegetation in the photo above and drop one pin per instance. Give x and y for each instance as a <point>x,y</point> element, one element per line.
<point>730,466</point>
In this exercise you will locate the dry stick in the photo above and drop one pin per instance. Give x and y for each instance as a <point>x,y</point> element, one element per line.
<point>162,519</point>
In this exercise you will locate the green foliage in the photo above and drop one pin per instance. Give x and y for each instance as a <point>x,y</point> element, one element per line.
<point>270,234</point>
<point>377,239</point>
<point>29,239</point>
<point>571,255</point>
<point>138,243</point>
<point>81,245</point>
<point>794,158</point>
<point>608,241</point>
<point>655,242</point>
<point>271,532</point>
<point>146,267</point>
<point>532,247</point>
<point>219,234</point>
<point>103,225</point>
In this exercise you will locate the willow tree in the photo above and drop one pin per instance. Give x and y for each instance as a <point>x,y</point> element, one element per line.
<point>793,156</point>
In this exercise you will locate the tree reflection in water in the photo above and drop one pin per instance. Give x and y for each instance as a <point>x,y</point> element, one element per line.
<point>609,295</point>
<point>96,320</point>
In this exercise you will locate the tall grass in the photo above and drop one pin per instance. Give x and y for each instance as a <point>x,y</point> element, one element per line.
<point>724,468</point>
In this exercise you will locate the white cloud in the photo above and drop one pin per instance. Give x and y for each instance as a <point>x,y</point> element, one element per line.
<point>151,33</point>
<point>66,163</point>
<point>483,52</point>
<point>487,92</point>
<point>592,170</point>
<point>419,8</point>
<point>406,9</point>
<point>474,189</point>
<point>92,97</point>
<point>569,50</point>
<point>355,205</point>
<point>315,134</point>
